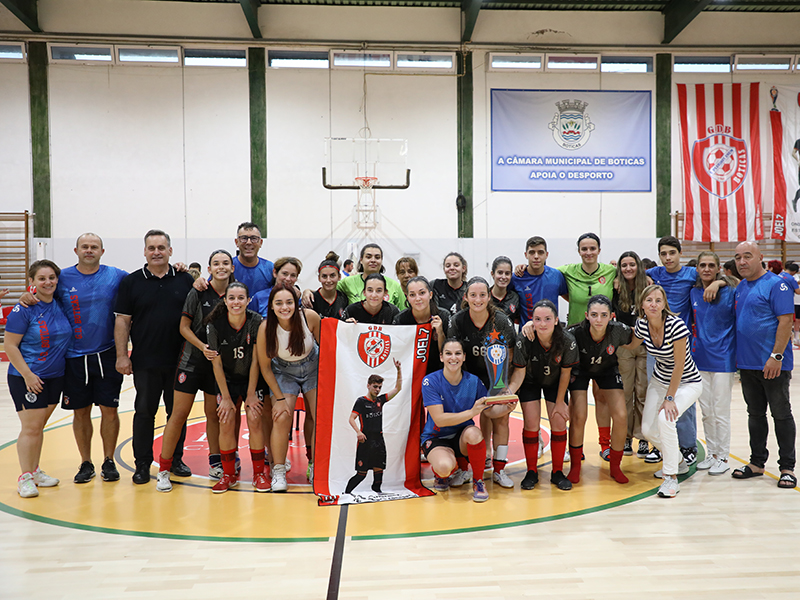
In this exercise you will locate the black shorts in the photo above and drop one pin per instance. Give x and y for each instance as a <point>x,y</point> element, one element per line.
<point>607,380</point>
<point>531,391</point>
<point>371,454</point>
<point>24,400</point>
<point>199,378</point>
<point>454,443</point>
<point>238,390</point>
<point>797,311</point>
<point>92,379</point>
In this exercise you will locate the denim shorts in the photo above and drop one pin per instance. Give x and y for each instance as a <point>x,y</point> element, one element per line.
<point>298,375</point>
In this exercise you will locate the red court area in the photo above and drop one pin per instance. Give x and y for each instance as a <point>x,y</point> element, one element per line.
<point>196,449</point>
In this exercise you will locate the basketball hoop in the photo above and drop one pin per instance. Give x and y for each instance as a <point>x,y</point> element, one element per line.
<point>366,183</point>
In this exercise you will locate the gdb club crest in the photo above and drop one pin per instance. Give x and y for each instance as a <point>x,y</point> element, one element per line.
<point>374,347</point>
<point>720,163</point>
<point>571,125</point>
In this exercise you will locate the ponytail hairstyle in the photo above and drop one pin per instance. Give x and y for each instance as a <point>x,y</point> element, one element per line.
<point>221,308</point>
<point>732,282</point>
<point>296,333</point>
<point>628,297</point>
<point>420,279</point>
<point>489,305</point>
<point>463,264</point>
<point>231,277</point>
<point>559,342</point>
<point>329,263</point>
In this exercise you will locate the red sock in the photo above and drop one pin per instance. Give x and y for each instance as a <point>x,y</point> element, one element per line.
<point>614,462</point>
<point>498,465</point>
<point>605,437</point>
<point>477,459</point>
<point>558,445</point>
<point>164,464</point>
<point>257,457</point>
<point>229,462</point>
<point>463,463</point>
<point>575,458</point>
<point>530,443</point>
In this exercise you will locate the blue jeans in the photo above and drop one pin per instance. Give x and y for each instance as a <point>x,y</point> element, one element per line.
<point>759,393</point>
<point>687,423</point>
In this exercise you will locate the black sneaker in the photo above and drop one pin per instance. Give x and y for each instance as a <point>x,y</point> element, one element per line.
<point>628,450</point>
<point>142,475</point>
<point>560,480</point>
<point>530,480</point>
<point>85,472</point>
<point>644,449</point>
<point>180,469</point>
<point>654,456</point>
<point>109,470</point>
<point>689,455</point>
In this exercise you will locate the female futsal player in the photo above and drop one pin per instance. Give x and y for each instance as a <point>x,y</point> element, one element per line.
<point>714,353</point>
<point>674,386</point>
<point>195,371</point>
<point>373,309</point>
<point>422,310</point>
<point>450,291</point>
<point>287,270</point>
<point>288,347</point>
<point>328,301</point>
<point>542,368</point>
<point>628,285</point>
<point>450,440</point>
<point>503,298</point>
<point>478,325</point>
<point>36,341</point>
<point>598,338</point>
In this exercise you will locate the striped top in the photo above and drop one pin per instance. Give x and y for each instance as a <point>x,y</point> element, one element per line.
<point>675,331</point>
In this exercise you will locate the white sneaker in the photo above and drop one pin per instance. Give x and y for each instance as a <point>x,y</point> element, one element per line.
<point>26,486</point>
<point>215,472</point>
<point>288,464</point>
<point>163,484</point>
<point>502,479</point>
<point>459,478</point>
<point>720,467</point>
<point>670,488</point>
<point>42,479</point>
<point>566,455</point>
<point>683,469</point>
<point>279,478</point>
<point>310,473</point>
<point>708,462</point>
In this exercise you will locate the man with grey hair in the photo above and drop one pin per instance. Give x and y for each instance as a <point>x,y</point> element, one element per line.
<point>764,310</point>
<point>148,308</point>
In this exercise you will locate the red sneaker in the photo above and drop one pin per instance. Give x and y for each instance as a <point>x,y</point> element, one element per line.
<point>261,483</point>
<point>226,483</point>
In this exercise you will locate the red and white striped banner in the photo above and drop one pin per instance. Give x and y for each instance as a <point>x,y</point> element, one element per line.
<point>721,160</point>
<point>349,354</point>
<point>784,152</point>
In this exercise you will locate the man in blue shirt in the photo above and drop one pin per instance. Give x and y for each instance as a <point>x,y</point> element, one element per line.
<point>764,309</point>
<point>537,281</point>
<point>248,267</point>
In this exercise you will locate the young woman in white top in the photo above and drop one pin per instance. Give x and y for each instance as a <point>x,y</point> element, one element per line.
<point>288,342</point>
<point>675,386</point>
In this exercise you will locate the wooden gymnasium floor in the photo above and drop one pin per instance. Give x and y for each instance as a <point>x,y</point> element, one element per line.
<point>720,538</point>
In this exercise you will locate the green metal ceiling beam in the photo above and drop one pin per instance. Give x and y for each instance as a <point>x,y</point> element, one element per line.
<point>678,14</point>
<point>25,11</point>
<point>250,10</point>
<point>470,10</point>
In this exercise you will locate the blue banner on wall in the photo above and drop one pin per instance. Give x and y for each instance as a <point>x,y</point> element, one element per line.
<point>571,141</point>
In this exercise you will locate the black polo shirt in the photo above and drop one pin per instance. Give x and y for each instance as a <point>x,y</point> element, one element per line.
<point>155,305</point>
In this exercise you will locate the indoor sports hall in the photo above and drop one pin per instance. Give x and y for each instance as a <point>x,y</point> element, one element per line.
<point>427,127</point>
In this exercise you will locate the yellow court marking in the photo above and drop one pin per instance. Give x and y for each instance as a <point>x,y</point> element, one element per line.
<point>192,511</point>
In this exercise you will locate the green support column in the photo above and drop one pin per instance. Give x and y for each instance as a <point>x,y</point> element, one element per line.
<point>256,66</point>
<point>40,138</point>
<point>663,143</point>
<point>465,141</point>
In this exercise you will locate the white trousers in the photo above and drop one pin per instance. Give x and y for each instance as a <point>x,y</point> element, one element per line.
<point>660,431</point>
<point>715,404</point>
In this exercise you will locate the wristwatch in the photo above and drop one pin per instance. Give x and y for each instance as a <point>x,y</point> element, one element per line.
<point>777,356</point>
<point>669,398</point>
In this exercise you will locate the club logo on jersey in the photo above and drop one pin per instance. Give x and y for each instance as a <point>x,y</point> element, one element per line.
<point>182,378</point>
<point>601,280</point>
<point>571,125</point>
<point>558,359</point>
<point>30,397</point>
<point>720,163</point>
<point>66,400</point>
<point>374,347</point>
<point>248,339</point>
<point>610,350</point>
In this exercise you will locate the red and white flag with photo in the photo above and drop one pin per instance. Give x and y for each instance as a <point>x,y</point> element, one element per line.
<point>783,177</point>
<point>349,354</point>
<point>721,158</point>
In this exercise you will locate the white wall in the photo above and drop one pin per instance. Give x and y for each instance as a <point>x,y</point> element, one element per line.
<point>16,191</point>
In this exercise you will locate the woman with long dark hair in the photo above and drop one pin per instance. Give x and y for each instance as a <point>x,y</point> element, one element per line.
<point>328,301</point>
<point>450,290</point>
<point>504,299</point>
<point>373,309</point>
<point>423,309</point>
